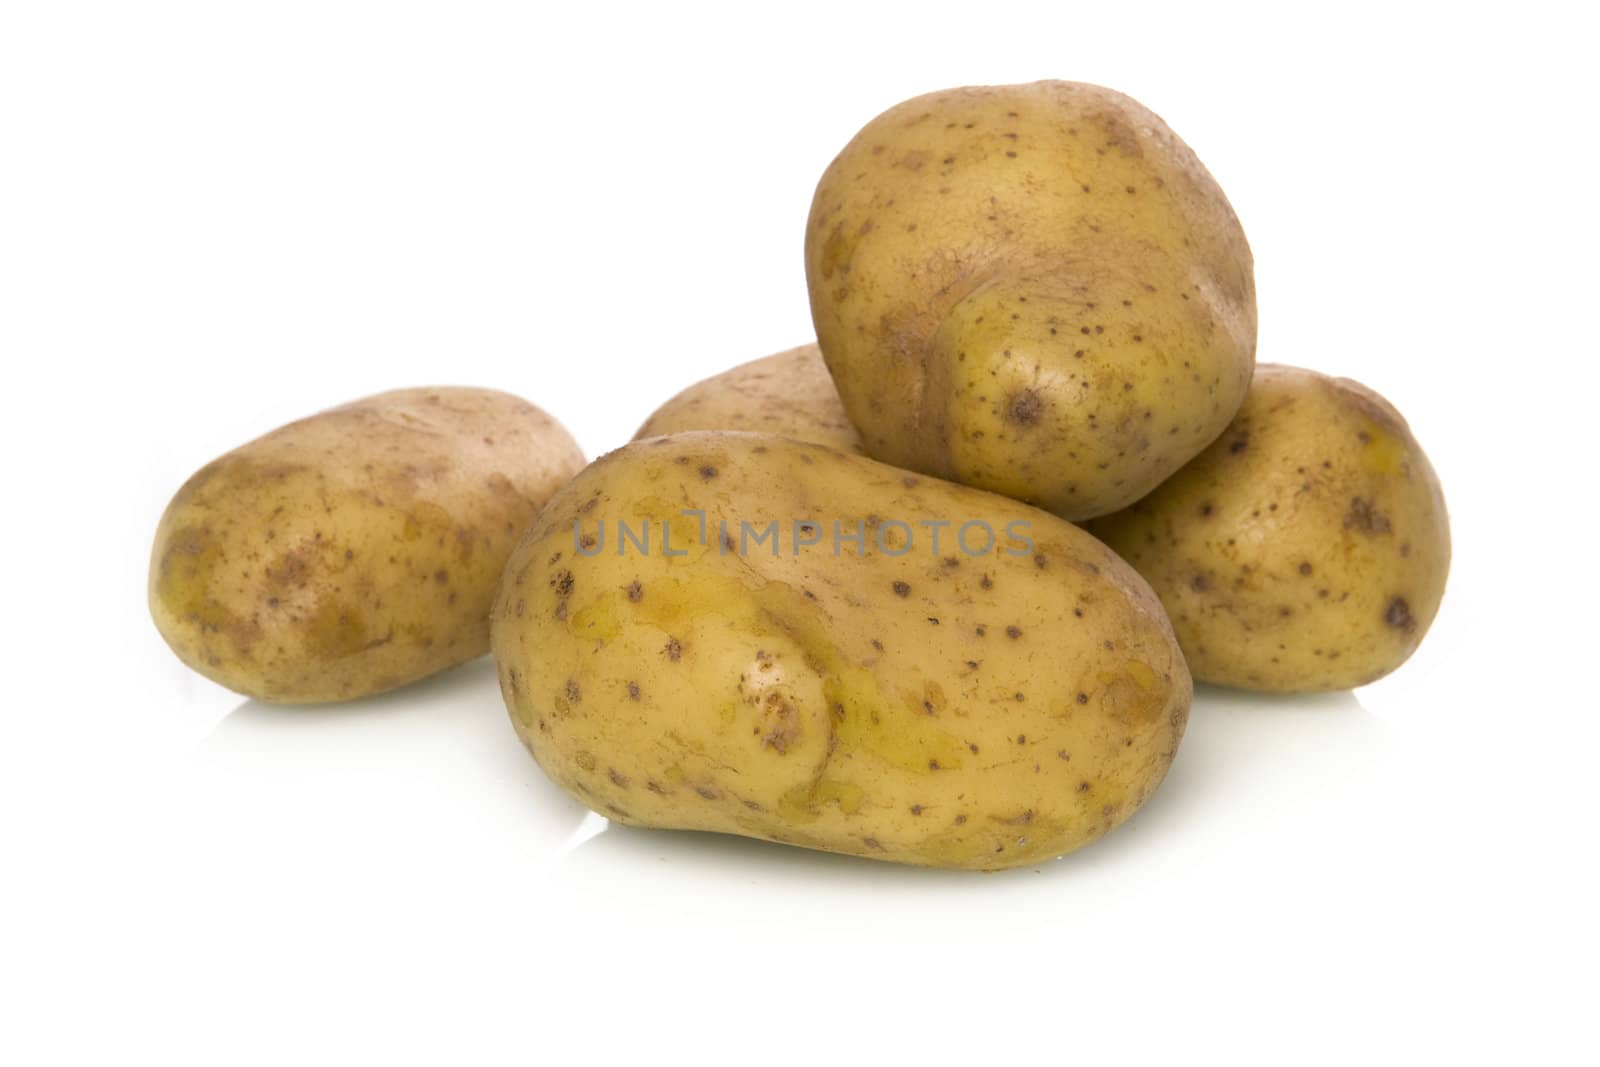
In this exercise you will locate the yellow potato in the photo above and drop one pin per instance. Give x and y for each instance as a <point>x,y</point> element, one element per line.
<point>789,394</point>
<point>1306,549</point>
<point>356,550</point>
<point>984,702</point>
<point>1033,289</point>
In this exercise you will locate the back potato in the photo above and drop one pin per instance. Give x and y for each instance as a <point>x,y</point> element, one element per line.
<point>789,394</point>
<point>1306,549</point>
<point>356,550</point>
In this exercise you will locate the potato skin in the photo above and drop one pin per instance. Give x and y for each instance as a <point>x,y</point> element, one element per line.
<point>1033,289</point>
<point>789,394</point>
<point>1307,549</point>
<point>356,550</point>
<point>930,708</point>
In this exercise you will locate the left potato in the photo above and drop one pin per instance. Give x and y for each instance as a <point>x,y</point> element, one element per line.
<point>357,550</point>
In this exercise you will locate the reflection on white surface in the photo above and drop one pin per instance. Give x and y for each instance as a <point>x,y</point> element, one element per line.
<point>404,758</point>
<point>1293,835</point>
<point>460,687</point>
<point>406,761</point>
<point>592,826</point>
<point>1239,747</point>
<point>406,850</point>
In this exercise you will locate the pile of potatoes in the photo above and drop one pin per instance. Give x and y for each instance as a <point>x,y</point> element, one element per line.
<point>932,590</point>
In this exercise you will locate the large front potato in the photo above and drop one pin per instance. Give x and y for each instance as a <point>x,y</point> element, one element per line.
<point>1307,549</point>
<point>356,550</point>
<point>977,705</point>
<point>789,394</point>
<point>1034,289</point>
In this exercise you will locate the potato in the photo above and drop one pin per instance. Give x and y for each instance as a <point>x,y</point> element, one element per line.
<point>1033,289</point>
<point>983,701</point>
<point>789,394</point>
<point>1306,549</point>
<point>356,550</point>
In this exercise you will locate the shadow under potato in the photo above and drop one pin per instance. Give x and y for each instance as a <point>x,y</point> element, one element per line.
<point>1234,741</point>
<point>470,682</point>
<point>419,759</point>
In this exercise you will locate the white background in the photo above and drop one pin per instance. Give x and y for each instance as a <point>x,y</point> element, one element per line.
<point>216,217</point>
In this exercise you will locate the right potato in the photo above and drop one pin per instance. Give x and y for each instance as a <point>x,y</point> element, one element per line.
<point>1306,549</point>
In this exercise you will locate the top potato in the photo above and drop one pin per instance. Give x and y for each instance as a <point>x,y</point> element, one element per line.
<point>1033,289</point>
<point>356,550</point>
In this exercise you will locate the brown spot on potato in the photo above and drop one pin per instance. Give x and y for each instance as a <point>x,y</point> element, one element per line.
<point>1398,615</point>
<point>292,570</point>
<point>785,726</point>
<point>902,589</point>
<point>1025,408</point>
<point>1365,518</point>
